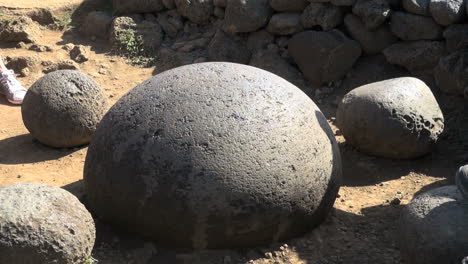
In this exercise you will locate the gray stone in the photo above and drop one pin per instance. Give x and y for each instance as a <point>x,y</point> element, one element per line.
<point>396,118</point>
<point>225,48</point>
<point>413,27</point>
<point>456,37</point>
<point>19,29</point>
<point>246,15</point>
<point>208,155</point>
<point>373,13</point>
<point>372,42</point>
<point>447,12</point>
<point>461,180</point>
<point>96,24</point>
<point>451,74</point>
<point>323,56</point>
<point>197,11</point>
<point>371,69</point>
<point>433,228</point>
<point>170,29</point>
<point>259,40</point>
<point>63,108</point>
<point>42,224</point>
<point>417,7</point>
<point>137,6</point>
<point>288,5</point>
<point>169,4</point>
<point>79,54</point>
<point>416,55</point>
<point>271,61</point>
<point>325,15</point>
<point>17,64</point>
<point>285,23</point>
<point>61,65</point>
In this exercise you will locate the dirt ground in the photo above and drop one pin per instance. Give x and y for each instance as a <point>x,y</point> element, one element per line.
<point>362,228</point>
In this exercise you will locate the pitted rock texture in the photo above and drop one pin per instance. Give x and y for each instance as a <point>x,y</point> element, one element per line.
<point>41,224</point>
<point>235,156</point>
<point>63,108</point>
<point>461,179</point>
<point>433,228</point>
<point>397,118</point>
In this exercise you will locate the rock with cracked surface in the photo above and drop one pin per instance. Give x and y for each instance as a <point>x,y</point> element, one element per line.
<point>397,118</point>
<point>433,227</point>
<point>235,156</point>
<point>41,224</point>
<point>63,108</point>
<point>20,29</point>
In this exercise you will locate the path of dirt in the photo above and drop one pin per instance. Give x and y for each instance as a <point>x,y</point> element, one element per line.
<point>361,229</point>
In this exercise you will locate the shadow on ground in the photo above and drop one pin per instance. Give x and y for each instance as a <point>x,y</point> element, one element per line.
<point>24,149</point>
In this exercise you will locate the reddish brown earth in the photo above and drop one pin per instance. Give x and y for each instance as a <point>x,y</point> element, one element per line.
<point>361,229</point>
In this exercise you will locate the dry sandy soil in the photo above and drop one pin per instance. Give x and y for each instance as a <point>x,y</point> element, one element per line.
<point>362,228</point>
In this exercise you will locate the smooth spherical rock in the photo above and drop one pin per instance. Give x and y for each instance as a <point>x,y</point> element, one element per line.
<point>213,155</point>
<point>397,118</point>
<point>433,228</point>
<point>41,224</point>
<point>63,108</point>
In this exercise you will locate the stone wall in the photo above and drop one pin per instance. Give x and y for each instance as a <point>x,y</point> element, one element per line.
<point>314,42</point>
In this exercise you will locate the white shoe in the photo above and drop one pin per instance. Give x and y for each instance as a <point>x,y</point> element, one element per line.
<point>11,88</point>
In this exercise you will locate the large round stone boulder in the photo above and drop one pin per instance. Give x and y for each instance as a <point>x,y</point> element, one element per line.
<point>397,118</point>
<point>433,228</point>
<point>41,224</point>
<point>63,108</point>
<point>214,155</point>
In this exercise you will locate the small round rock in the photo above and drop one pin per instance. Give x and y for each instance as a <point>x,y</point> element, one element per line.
<point>41,224</point>
<point>397,118</point>
<point>214,155</point>
<point>63,108</point>
<point>434,228</point>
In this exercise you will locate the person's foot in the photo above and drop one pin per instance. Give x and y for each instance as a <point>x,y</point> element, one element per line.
<point>461,179</point>
<point>11,88</point>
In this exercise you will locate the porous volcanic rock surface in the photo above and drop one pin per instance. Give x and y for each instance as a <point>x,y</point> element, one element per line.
<point>63,108</point>
<point>41,224</point>
<point>433,227</point>
<point>214,155</point>
<point>397,118</point>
